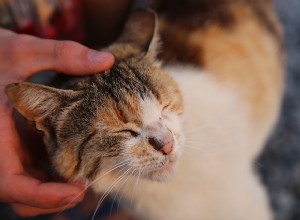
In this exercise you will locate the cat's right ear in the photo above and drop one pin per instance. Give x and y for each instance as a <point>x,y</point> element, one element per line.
<point>139,34</point>
<point>35,102</point>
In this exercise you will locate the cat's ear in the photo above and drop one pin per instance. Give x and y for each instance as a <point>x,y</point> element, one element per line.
<point>140,33</point>
<point>35,102</point>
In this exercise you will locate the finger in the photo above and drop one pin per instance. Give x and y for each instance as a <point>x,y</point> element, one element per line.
<point>71,57</point>
<point>29,211</point>
<point>27,190</point>
<point>17,187</point>
<point>62,56</point>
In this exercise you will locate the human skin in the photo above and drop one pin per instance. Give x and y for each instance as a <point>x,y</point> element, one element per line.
<point>22,56</point>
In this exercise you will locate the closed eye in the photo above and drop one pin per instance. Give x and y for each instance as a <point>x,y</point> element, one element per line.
<point>165,107</point>
<point>132,133</point>
<point>164,112</point>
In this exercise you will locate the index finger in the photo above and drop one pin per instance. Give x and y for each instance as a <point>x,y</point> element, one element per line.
<point>31,192</point>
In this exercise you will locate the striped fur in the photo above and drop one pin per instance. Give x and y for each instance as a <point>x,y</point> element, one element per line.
<point>228,66</point>
<point>89,120</point>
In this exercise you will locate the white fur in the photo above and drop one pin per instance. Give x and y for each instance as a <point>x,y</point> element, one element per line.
<point>215,178</point>
<point>151,111</point>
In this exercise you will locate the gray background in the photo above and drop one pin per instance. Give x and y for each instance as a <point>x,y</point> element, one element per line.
<point>279,164</point>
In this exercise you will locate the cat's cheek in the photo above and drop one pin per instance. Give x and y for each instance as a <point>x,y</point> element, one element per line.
<point>173,122</point>
<point>128,147</point>
<point>166,173</point>
<point>179,144</point>
<point>135,151</point>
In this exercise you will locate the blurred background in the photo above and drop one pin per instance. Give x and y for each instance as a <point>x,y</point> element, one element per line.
<point>278,165</point>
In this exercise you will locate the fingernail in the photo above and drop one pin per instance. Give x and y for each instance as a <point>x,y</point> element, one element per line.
<point>71,200</point>
<point>99,57</point>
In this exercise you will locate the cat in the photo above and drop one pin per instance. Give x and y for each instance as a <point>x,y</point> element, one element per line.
<point>175,137</point>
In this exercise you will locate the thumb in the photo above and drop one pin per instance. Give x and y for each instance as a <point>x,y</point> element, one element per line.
<point>65,56</point>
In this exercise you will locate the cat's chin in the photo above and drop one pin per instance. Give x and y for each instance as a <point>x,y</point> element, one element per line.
<point>165,173</point>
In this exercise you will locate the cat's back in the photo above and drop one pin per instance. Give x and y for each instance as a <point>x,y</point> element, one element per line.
<point>238,43</point>
<point>227,58</point>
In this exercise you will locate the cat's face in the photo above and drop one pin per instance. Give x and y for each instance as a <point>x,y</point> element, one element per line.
<point>138,121</point>
<point>128,118</point>
<point>142,118</point>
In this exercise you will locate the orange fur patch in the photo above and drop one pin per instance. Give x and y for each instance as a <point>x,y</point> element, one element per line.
<point>245,57</point>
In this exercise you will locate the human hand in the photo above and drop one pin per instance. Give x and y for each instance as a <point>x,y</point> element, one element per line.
<point>21,56</point>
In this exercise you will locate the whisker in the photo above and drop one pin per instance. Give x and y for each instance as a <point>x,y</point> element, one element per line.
<point>109,190</point>
<point>191,155</point>
<point>122,193</point>
<point>188,132</point>
<point>133,189</point>
<point>199,141</point>
<point>205,144</point>
<point>123,185</point>
<point>135,185</point>
<point>118,165</point>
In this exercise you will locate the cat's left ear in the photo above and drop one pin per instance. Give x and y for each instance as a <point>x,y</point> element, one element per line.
<point>36,102</point>
<point>140,33</point>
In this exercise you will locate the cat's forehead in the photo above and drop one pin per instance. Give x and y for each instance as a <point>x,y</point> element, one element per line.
<point>150,110</point>
<point>127,79</point>
<point>136,91</point>
<point>140,113</point>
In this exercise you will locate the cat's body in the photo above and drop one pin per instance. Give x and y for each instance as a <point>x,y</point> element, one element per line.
<point>230,80</point>
<point>215,177</point>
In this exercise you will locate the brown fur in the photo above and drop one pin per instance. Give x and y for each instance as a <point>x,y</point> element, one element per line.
<point>219,38</point>
<point>260,73</point>
<point>87,120</point>
<point>93,123</point>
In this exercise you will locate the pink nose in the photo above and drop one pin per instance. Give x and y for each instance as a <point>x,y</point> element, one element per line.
<point>165,146</point>
<point>168,147</point>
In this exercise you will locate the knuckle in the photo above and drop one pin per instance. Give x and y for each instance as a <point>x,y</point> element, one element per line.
<point>62,48</point>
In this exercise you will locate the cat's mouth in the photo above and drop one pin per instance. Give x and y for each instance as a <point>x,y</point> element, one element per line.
<point>163,167</point>
<point>165,171</point>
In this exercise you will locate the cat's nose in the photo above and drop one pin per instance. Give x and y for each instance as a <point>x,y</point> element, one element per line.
<point>165,145</point>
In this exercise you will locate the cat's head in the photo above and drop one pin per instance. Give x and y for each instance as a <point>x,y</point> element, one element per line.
<point>128,118</point>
